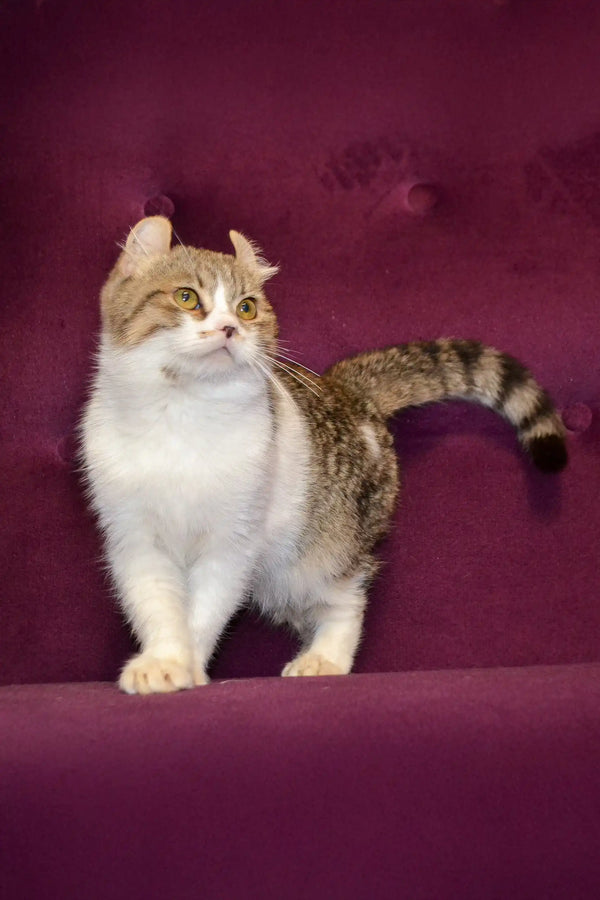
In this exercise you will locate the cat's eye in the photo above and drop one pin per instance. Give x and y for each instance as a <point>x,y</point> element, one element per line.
<point>187,298</point>
<point>246,309</point>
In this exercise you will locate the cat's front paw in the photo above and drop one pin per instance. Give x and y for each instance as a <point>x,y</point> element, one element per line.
<point>149,674</point>
<point>311,664</point>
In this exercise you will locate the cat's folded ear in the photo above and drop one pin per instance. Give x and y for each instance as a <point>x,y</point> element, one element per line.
<point>149,238</point>
<point>248,254</point>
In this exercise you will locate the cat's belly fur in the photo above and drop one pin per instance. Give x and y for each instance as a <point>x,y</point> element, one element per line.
<point>277,577</point>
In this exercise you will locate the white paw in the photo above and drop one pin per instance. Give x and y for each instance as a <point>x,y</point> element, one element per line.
<point>148,674</point>
<point>199,675</point>
<point>311,664</point>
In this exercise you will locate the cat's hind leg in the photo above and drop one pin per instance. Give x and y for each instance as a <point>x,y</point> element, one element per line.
<point>334,625</point>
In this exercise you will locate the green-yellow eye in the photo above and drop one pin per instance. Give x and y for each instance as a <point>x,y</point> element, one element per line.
<point>187,298</point>
<point>246,309</point>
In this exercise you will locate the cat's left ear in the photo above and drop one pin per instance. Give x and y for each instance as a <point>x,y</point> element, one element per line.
<point>248,254</point>
<point>150,237</point>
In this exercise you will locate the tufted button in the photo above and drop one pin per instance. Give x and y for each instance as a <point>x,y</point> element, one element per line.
<point>577,417</point>
<point>160,205</point>
<point>421,197</point>
<point>416,197</point>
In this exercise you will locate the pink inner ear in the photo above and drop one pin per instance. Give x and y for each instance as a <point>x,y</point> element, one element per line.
<point>127,265</point>
<point>244,250</point>
<point>150,237</point>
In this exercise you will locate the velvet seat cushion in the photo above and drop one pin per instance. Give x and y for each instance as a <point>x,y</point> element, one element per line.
<point>463,784</point>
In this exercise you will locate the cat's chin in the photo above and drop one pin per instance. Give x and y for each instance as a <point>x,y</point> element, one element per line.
<point>218,365</point>
<point>220,357</point>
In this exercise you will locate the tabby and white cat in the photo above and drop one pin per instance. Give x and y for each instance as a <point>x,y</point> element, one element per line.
<point>221,473</point>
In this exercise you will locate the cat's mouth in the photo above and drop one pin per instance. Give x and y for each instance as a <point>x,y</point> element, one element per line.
<point>216,344</point>
<point>224,349</point>
<point>211,352</point>
<point>217,350</point>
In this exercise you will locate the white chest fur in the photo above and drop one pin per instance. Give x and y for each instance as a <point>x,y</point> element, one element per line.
<point>185,458</point>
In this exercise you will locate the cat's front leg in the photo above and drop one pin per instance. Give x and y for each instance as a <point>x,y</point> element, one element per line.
<point>218,583</point>
<point>153,595</point>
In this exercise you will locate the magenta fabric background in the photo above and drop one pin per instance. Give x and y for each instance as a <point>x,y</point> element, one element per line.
<point>419,169</point>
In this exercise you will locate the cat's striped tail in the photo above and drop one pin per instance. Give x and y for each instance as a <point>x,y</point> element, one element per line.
<point>428,371</point>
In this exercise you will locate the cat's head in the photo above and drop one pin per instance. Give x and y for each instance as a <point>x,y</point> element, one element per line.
<point>200,313</point>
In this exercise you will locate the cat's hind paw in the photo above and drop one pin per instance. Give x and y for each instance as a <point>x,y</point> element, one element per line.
<point>311,664</point>
<point>149,674</point>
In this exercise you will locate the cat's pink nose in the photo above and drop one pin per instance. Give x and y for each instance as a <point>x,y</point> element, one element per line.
<point>229,330</point>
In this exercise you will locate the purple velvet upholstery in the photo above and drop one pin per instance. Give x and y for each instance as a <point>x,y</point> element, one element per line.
<point>418,169</point>
<point>469,785</point>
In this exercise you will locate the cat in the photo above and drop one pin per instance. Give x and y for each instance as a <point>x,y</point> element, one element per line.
<point>221,472</point>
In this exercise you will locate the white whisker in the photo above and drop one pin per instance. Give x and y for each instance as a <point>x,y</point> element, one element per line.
<point>271,377</point>
<point>286,345</point>
<point>272,357</point>
<point>296,363</point>
<point>301,379</point>
<point>299,376</point>
<point>185,249</point>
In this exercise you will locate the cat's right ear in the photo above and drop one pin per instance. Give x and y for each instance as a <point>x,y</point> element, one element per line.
<point>150,237</point>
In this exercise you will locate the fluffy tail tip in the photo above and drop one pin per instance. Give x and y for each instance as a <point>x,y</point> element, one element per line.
<point>549,453</point>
